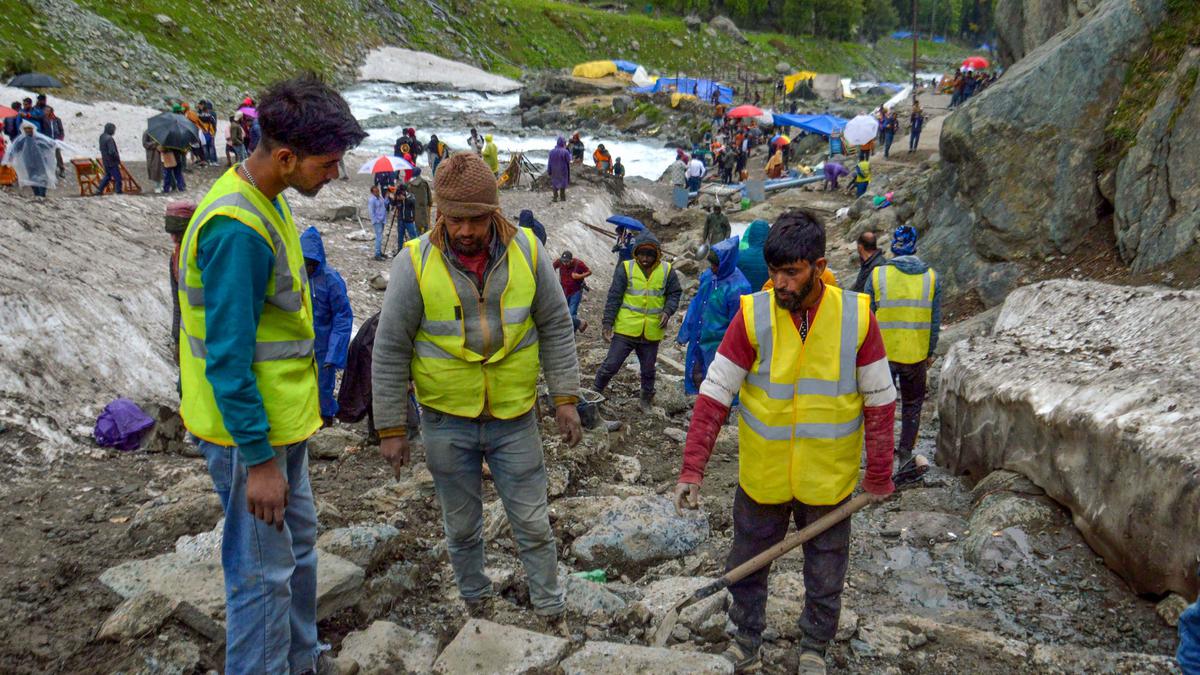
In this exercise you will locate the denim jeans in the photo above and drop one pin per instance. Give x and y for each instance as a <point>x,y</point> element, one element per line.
<point>455,448</point>
<point>889,137</point>
<point>693,183</point>
<point>239,151</point>
<point>210,148</point>
<point>378,226</point>
<point>270,575</point>
<point>914,138</point>
<point>173,179</point>
<point>39,191</point>
<point>410,230</point>
<point>112,174</point>
<point>573,301</point>
<point>860,188</point>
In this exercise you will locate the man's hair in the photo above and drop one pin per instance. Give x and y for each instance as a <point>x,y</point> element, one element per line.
<point>867,241</point>
<point>796,235</point>
<point>307,116</point>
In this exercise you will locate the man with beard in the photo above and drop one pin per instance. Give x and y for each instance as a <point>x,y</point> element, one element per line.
<point>472,310</point>
<point>248,377</point>
<point>809,384</point>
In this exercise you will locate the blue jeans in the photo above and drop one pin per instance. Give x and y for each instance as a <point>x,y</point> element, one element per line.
<point>889,137</point>
<point>1188,654</point>
<point>693,184</point>
<point>410,230</point>
<point>173,179</point>
<point>210,148</point>
<point>455,448</point>
<point>239,151</point>
<point>573,305</point>
<point>914,137</point>
<point>112,174</point>
<point>270,575</point>
<point>378,238</point>
<point>860,189</point>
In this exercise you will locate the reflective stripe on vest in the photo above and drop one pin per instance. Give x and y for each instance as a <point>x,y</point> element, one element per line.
<point>904,309</point>
<point>450,377</point>
<point>801,426</point>
<point>644,301</point>
<point>283,366</point>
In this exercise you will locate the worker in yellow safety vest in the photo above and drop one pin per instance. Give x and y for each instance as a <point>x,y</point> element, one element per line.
<point>807,362</point>
<point>644,294</point>
<point>905,295</point>
<point>248,375</point>
<point>472,309</point>
<point>862,174</point>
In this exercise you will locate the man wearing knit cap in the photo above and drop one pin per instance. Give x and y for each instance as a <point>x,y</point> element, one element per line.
<point>472,309</point>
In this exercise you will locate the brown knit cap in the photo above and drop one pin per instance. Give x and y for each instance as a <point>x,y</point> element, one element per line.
<point>464,187</point>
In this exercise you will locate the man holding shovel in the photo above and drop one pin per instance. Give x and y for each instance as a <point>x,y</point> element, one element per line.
<point>808,363</point>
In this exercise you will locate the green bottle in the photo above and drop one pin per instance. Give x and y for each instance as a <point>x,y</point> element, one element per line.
<point>597,576</point>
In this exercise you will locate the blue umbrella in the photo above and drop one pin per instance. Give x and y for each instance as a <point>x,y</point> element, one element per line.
<point>626,222</point>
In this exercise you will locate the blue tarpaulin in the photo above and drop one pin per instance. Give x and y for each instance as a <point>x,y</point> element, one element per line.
<point>907,35</point>
<point>814,124</point>
<point>702,89</point>
<point>626,66</point>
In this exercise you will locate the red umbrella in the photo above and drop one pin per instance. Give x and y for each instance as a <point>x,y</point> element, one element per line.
<point>386,164</point>
<point>976,62</point>
<point>6,111</point>
<point>745,111</point>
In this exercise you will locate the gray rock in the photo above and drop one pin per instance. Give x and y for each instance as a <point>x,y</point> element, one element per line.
<point>926,528</point>
<point>384,591</point>
<point>982,217</point>
<point>639,532</point>
<point>189,506</point>
<point>192,574</point>
<point>1170,608</point>
<point>1022,25</point>
<point>330,442</point>
<point>385,648</point>
<point>1157,207</point>
<point>486,647</point>
<point>588,597</point>
<point>635,45</point>
<point>1053,390</point>
<point>380,281</point>
<point>723,24</point>
<point>367,545</point>
<point>783,68</point>
<point>1073,659</point>
<point>164,20</point>
<point>677,435</point>
<point>677,43</point>
<point>622,104</point>
<point>611,658</point>
<point>660,596</point>
<point>173,657</point>
<point>629,469</point>
<point>140,615</point>
<point>340,213</point>
<point>693,22</point>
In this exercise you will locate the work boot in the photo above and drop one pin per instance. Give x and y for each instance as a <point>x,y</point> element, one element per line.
<point>745,657</point>
<point>646,403</point>
<point>481,608</point>
<point>810,663</point>
<point>557,625</point>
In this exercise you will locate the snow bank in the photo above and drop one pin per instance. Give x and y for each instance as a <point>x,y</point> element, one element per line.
<point>405,66</point>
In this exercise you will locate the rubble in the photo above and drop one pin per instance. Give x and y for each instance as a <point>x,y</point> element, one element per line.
<point>486,647</point>
<point>385,648</point>
<point>640,531</point>
<point>611,658</point>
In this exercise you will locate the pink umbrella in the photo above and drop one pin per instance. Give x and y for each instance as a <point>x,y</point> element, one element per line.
<point>248,111</point>
<point>745,111</point>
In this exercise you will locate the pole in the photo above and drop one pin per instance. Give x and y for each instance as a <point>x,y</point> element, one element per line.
<point>914,38</point>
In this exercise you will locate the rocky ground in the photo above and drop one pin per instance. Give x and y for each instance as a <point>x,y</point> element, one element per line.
<point>109,563</point>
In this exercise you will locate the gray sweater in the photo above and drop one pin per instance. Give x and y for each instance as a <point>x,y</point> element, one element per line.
<point>403,309</point>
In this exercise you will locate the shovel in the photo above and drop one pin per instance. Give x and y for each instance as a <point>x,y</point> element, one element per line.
<point>907,475</point>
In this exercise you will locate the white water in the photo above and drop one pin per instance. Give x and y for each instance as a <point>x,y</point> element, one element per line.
<point>451,114</point>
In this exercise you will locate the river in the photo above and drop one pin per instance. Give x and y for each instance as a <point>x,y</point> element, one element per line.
<point>451,114</point>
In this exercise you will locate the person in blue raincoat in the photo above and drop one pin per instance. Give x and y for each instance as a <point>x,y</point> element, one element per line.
<point>709,313</point>
<point>333,320</point>
<point>750,254</point>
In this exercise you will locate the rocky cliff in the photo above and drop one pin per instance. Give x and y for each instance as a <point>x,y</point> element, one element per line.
<point>1017,180</point>
<point>1022,25</point>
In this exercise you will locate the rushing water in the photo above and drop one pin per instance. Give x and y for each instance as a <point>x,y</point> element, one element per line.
<point>451,114</point>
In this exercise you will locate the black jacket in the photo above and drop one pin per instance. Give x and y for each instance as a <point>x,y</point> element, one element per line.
<point>864,270</point>
<point>109,155</point>
<point>616,292</point>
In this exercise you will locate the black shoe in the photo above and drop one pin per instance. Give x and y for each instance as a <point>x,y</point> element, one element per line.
<point>646,404</point>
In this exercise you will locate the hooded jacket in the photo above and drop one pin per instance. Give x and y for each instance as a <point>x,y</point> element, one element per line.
<point>750,256</point>
<point>333,320</point>
<point>527,220</point>
<point>708,315</point>
<point>911,264</point>
<point>559,165</point>
<point>109,156</point>
<point>491,154</point>
<point>616,292</point>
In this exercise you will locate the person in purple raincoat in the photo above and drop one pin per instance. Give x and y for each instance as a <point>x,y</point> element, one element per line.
<point>560,170</point>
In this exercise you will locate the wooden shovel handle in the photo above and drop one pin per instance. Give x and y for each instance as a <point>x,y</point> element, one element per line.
<point>792,541</point>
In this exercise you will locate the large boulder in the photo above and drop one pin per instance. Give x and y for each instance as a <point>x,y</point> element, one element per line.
<point>1087,389</point>
<point>1017,176</point>
<point>386,648</point>
<point>1157,198</point>
<point>639,532</point>
<point>723,24</point>
<point>1022,25</point>
<point>485,647</point>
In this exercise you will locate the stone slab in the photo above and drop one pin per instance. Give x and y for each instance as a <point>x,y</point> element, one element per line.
<point>611,658</point>
<point>486,647</point>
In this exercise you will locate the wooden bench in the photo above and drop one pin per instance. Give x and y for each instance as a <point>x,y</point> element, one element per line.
<point>89,173</point>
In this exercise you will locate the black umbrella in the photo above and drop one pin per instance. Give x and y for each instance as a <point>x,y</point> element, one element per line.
<point>34,81</point>
<point>173,131</point>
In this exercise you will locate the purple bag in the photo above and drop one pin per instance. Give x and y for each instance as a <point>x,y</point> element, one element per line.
<point>122,425</point>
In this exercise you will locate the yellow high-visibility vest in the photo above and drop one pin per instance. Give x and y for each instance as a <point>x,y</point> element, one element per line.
<point>864,172</point>
<point>284,368</point>
<point>447,375</point>
<point>645,298</point>
<point>800,431</point>
<point>904,309</point>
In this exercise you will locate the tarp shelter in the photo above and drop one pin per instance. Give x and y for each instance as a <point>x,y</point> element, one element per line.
<point>790,81</point>
<point>677,98</point>
<point>641,78</point>
<point>822,125</point>
<point>594,70</point>
<point>701,89</point>
<point>626,66</point>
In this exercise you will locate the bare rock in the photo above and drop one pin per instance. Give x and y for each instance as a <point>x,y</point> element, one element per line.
<point>367,545</point>
<point>611,658</point>
<point>485,647</point>
<point>189,506</point>
<point>331,442</point>
<point>1170,609</point>
<point>385,648</point>
<point>723,24</point>
<point>140,615</point>
<point>639,532</point>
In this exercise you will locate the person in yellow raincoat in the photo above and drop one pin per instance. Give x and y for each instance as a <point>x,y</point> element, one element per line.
<point>491,154</point>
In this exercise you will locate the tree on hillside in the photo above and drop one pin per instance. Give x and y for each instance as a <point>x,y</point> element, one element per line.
<point>838,20</point>
<point>879,19</point>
